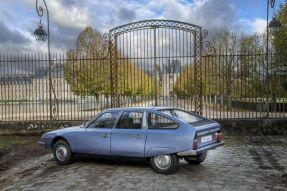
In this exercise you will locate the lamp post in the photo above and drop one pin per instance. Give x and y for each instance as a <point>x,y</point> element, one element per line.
<point>42,35</point>
<point>272,27</point>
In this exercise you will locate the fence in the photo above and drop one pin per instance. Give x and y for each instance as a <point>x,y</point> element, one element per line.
<point>232,86</point>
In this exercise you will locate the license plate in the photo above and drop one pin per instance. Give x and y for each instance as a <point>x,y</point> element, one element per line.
<point>206,138</point>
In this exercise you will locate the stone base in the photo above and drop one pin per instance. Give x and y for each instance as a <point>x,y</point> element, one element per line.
<point>235,127</point>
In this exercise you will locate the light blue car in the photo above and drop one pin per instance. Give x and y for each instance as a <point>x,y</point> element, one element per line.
<point>160,135</point>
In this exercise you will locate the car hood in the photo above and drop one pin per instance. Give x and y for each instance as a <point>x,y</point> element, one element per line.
<point>73,128</point>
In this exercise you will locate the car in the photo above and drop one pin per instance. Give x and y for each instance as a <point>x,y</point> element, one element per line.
<point>160,135</point>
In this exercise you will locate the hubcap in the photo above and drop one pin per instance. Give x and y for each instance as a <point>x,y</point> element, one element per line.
<point>162,161</point>
<point>61,152</point>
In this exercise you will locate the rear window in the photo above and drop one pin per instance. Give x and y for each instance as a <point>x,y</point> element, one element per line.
<point>156,121</point>
<point>182,115</point>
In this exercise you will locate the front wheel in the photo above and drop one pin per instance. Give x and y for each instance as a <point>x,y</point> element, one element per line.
<point>197,159</point>
<point>165,164</point>
<point>62,152</point>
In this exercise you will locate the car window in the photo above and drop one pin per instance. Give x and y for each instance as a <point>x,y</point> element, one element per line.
<point>182,115</point>
<point>130,120</point>
<point>168,112</point>
<point>185,116</point>
<point>156,121</point>
<point>106,120</point>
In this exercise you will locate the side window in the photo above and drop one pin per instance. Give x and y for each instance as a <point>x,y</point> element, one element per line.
<point>156,121</point>
<point>130,120</point>
<point>187,117</point>
<point>106,120</point>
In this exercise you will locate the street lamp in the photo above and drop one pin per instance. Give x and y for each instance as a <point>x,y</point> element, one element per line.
<point>42,35</point>
<point>273,26</point>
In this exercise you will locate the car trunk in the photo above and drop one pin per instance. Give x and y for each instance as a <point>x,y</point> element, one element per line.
<point>207,132</point>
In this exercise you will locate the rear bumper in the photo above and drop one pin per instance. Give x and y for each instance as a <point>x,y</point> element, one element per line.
<point>200,150</point>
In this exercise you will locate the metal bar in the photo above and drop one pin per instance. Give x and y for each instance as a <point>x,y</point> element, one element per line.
<point>155,67</point>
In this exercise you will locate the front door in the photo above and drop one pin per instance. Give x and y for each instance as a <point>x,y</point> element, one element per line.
<point>96,139</point>
<point>129,135</point>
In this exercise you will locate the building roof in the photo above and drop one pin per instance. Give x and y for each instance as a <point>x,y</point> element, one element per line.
<point>15,79</point>
<point>57,72</point>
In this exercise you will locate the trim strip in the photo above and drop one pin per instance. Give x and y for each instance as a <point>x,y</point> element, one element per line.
<point>207,131</point>
<point>195,152</point>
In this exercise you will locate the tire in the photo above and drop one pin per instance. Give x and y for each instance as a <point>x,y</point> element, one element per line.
<point>197,159</point>
<point>62,152</point>
<point>164,164</point>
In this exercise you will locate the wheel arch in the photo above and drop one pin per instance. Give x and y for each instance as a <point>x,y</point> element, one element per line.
<point>155,151</point>
<point>57,138</point>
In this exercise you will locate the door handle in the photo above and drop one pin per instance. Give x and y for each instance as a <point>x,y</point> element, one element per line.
<point>137,136</point>
<point>105,135</point>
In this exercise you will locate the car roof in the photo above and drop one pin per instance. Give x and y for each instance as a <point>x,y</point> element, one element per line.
<point>150,108</point>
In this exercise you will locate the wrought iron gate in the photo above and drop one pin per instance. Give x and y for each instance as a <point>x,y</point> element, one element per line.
<point>163,50</point>
<point>153,62</point>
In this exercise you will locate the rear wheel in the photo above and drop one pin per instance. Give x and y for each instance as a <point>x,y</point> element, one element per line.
<point>196,159</point>
<point>62,152</point>
<point>165,164</point>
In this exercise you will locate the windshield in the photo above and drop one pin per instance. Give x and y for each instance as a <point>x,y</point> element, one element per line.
<point>182,115</point>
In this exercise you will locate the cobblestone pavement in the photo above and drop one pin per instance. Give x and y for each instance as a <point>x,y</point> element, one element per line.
<point>246,163</point>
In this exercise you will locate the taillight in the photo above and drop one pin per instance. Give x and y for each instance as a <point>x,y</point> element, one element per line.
<point>194,146</point>
<point>218,136</point>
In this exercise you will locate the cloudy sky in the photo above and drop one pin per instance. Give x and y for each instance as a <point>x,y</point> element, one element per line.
<point>18,18</point>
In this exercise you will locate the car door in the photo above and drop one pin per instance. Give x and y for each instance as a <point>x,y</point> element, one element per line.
<point>162,135</point>
<point>129,135</point>
<point>96,139</point>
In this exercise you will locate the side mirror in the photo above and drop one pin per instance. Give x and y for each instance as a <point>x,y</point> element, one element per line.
<point>100,125</point>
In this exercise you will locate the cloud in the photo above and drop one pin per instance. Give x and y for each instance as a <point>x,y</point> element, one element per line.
<point>69,17</point>
<point>126,14</point>
<point>12,36</point>
<point>210,14</point>
<point>256,25</point>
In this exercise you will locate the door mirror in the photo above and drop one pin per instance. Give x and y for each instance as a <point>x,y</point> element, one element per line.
<point>101,124</point>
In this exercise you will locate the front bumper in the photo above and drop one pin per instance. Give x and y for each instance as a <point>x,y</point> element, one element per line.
<point>200,150</point>
<point>43,144</point>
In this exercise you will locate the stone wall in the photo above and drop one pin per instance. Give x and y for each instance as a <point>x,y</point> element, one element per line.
<point>230,126</point>
<point>254,126</point>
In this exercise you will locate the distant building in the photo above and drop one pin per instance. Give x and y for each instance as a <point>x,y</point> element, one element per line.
<point>173,66</point>
<point>169,75</point>
<point>35,86</point>
<point>15,86</point>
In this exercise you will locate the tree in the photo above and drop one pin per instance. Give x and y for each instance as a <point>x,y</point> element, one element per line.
<point>86,74</point>
<point>89,75</point>
<point>233,72</point>
<point>280,37</point>
<point>278,80</point>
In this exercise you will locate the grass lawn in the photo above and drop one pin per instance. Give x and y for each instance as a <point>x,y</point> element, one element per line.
<point>7,142</point>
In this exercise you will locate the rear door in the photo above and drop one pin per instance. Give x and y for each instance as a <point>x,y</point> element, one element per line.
<point>129,136</point>
<point>163,135</point>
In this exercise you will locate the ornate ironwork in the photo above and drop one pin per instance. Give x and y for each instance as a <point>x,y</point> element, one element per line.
<point>206,47</point>
<point>197,73</point>
<point>39,8</point>
<point>54,103</point>
<point>103,52</point>
<point>154,24</point>
<point>113,70</point>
